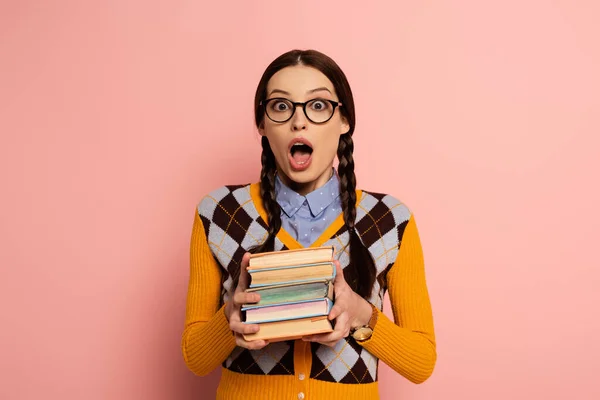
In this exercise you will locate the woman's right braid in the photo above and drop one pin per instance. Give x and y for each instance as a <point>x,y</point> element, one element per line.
<point>267,193</point>
<point>361,272</point>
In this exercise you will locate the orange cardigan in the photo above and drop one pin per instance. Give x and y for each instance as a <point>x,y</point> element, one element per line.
<point>406,344</point>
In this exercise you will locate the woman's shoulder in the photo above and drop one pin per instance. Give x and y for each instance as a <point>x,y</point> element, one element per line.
<point>381,206</point>
<point>227,198</point>
<point>381,220</point>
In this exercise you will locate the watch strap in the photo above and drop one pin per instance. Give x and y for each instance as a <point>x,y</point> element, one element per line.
<point>372,320</point>
<point>374,316</point>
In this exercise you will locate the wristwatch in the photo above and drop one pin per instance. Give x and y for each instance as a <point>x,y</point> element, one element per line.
<point>362,333</point>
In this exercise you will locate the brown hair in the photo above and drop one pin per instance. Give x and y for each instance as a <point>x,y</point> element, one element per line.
<point>361,272</point>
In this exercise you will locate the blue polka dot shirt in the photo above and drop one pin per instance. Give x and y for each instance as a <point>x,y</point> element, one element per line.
<point>307,217</point>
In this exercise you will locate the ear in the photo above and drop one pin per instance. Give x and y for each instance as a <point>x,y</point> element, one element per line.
<point>344,126</point>
<point>261,129</point>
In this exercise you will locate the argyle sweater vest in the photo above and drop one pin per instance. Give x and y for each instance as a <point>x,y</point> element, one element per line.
<point>233,225</point>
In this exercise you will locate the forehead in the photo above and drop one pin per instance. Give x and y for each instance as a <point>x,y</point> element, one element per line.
<point>298,80</point>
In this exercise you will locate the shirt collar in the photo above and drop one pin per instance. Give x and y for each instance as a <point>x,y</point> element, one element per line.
<point>318,200</point>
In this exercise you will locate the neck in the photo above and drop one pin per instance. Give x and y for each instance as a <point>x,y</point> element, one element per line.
<point>305,188</point>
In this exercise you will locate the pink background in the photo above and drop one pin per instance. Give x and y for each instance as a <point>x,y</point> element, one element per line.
<point>116,117</point>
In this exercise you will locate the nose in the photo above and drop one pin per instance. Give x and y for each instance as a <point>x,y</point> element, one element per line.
<point>299,121</point>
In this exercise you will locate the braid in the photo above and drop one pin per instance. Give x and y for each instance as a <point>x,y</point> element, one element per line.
<point>347,179</point>
<point>360,273</point>
<point>267,193</point>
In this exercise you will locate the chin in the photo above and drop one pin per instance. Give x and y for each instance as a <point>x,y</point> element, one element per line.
<point>300,176</point>
<point>307,176</point>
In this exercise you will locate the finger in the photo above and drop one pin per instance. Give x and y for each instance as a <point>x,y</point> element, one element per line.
<point>324,338</point>
<point>320,338</point>
<point>242,328</point>
<point>341,321</point>
<point>336,310</point>
<point>244,277</point>
<point>240,298</point>
<point>234,315</point>
<point>341,330</point>
<point>339,275</point>
<point>251,345</point>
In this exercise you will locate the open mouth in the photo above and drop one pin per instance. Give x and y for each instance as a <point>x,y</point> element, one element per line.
<point>300,154</point>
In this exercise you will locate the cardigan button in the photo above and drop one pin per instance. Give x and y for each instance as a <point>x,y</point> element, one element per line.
<point>301,376</point>
<point>300,396</point>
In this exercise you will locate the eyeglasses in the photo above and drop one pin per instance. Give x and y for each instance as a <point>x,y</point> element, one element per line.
<point>317,111</point>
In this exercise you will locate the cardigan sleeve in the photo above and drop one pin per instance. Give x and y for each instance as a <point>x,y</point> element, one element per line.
<point>207,340</point>
<point>407,345</point>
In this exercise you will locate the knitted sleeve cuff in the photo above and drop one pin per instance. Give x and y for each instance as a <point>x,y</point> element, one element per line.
<point>207,344</point>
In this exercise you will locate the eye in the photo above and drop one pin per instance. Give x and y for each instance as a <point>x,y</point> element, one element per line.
<point>280,105</point>
<point>319,105</point>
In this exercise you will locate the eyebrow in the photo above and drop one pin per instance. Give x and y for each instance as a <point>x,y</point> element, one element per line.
<point>288,94</point>
<point>319,89</point>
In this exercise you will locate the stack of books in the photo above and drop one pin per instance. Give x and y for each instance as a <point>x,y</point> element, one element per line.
<point>296,293</point>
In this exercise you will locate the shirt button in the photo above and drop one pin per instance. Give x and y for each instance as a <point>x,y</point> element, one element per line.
<point>301,395</point>
<point>301,376</point>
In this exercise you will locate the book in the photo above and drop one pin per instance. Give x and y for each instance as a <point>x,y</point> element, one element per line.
<point>296,288</point>
<point>291,329</point>
<point>283,258</point>
<point>291,274</point>
<point>291,292</point>
<point>289,310</point>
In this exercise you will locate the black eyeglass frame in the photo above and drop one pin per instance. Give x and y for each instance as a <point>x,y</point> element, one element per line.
<point>295,104</point>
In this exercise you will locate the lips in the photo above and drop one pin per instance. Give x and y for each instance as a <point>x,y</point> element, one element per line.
<point>300,153</point>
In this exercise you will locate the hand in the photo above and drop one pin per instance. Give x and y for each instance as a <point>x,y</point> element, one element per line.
<point>234,314</point>
<point>349,311</point>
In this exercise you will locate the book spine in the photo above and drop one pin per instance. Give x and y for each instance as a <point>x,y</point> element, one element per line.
<point>285,303</point>
<point>287,318</point>
<point>259,285</point>
<point>273,268</point>
<point>328,302</point>
<point>253,285</point>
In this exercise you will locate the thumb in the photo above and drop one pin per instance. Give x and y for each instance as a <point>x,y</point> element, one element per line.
<point>339,274</point>
<point>244,280</point>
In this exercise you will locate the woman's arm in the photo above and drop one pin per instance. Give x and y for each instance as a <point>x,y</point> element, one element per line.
<point>408,345</point>
<point>207,339</point>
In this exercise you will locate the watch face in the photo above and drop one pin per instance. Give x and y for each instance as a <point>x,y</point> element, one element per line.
<point>362,333</point>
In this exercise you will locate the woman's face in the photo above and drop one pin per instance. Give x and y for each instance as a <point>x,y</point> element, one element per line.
<point>304,151</point>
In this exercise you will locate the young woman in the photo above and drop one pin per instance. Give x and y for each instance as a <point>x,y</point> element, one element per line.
<point>304,112</point>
